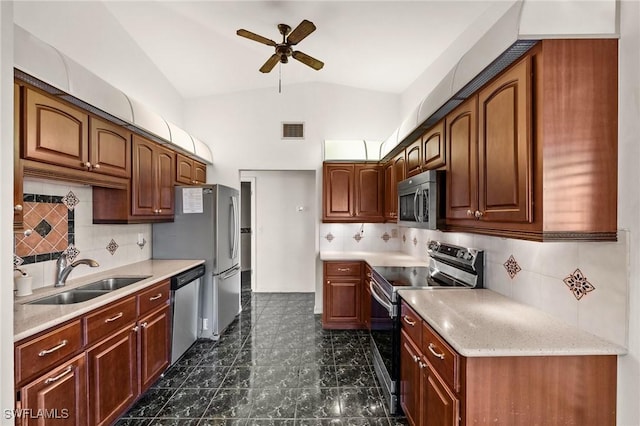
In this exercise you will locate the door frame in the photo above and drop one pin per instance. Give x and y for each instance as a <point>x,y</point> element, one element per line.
<point>252,183</point>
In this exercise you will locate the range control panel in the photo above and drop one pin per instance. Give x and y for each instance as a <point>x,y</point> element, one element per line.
<point>457,254</point>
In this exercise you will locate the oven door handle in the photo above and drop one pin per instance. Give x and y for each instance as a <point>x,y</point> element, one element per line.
<point>388,306</point>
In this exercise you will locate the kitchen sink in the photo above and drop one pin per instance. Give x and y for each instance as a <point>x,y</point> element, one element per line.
<point>69,297</point>
<point>113,283</point>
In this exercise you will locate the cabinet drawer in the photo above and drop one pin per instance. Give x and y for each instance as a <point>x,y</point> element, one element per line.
<point>110,319</point>
<point>351,269</point>
<point>36,355</point>
<point>153,297</point>
<point>411,323</point>
<point>442,357</point>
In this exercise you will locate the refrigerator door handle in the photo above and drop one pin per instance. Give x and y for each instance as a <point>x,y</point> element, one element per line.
<point>230,273</point>
<point>235,228</point>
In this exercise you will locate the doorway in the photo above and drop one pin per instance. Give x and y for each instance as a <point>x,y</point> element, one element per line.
<point>283,229</point>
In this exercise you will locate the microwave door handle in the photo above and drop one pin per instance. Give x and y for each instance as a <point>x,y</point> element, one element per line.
<point>415,205</point>
<point>421,205</point>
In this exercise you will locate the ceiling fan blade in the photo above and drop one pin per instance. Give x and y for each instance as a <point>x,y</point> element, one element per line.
<point>255,37</point>
<point>271,62</point>
<point>300,32</point>
<point>308,60</point>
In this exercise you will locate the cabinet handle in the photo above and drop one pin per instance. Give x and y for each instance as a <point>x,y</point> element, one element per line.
<point>344,269</point>
<point>17,208</point>
<point>432,349</point>
<point>156,297</point>
<point>469,213</point>
<point>53,349</point>
<point>143,325</point>
<point>478,214</point>
<point>408,321</point>
<point>59,376</point>
<point>114,317</point>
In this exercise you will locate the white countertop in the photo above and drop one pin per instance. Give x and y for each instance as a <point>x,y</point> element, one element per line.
<point>482,323</point>
<point>387,258</point>
<point>31,319</point>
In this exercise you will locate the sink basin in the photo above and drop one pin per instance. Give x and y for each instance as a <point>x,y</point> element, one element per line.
<point>113,283</point>
<point>69,297</point>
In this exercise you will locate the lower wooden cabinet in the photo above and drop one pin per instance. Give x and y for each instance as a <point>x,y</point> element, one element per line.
<point>61,394</point>
<point>342,295</point>
<point>91,369</point>
<point>440,387</point>
<point>113,381</point>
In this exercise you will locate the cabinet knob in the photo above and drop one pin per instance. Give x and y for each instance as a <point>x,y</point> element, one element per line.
<point>97,166</point>
<point>143,325</point>
<point>328,282</point>
<point>27,232</point>
<point>421,365</point>
<point>17,208</point>
<point>87,165</point>
<point>469,213</point>
<point>416,358</point>
<point>159,211</point>
<point>478,214</point>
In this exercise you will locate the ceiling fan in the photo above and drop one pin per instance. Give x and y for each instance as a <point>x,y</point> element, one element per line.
<point>285,49</point>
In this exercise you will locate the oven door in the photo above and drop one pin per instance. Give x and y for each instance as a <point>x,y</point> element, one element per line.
<point>385,343</point>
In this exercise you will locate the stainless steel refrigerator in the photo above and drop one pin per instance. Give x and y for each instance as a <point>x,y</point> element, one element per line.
<point>207,226</point>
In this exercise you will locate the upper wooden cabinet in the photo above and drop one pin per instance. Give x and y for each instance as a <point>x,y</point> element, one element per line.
<point>152,179</point>
<point>110,148</point>
<point>413,157</point>
<point>352,192</point>
<point>434,148</point>
<point>190,171</point>
<point>527,163</point>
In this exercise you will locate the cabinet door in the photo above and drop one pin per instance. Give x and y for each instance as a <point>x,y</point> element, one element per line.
<point>113,369</point>
<point>62,392</point>
<point>55,132</point>
<point>110,149</point>
<point>155,346</point>
<point>18,195</point>
<point>184,170</point>
<point>143,179</point>
<point>368,193</point>
<point>440,407</point>
<point>342,300</point>
<point>410,375</point>
<point>338,194</point>
<point>413,155</point>
<point>399,168</point>
<point>390,193</point>
<point>433,147</point>
<point>462,147</point>
<point>164,161</point>
<point>504,141</point>
<point>199,172</point>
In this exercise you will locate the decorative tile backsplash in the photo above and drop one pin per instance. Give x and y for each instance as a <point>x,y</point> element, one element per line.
<point>110,245</point>
<point>52,223</point>
<point>585,284</point>
<point>358,237</point>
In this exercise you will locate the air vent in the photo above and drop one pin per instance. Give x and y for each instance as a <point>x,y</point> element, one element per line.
<point>292,130</point>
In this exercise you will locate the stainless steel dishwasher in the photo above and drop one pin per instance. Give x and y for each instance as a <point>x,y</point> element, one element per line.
<point>185,303</point>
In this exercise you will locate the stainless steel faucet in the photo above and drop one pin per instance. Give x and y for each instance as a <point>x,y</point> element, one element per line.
<point>63,268</point>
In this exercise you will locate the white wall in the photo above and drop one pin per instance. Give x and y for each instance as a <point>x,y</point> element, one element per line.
<point>285,241</point>
<point>6,212</point>
<point>88,33</point>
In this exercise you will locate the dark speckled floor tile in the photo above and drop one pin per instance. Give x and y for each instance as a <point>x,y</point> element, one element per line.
<point>398,421</point>
<point>151,403</point>
<point>314,375</point>
<point>205,377</point>
<point>187,403</point>
<point>222,422</point>
<point>361,402</point>
<point>351,357</point>
<point>132,422</point>
<point>271,422</point>
<point>249,356</point>
<point>229,404</point>
<point>355,376</point>
<point>173,377</point>
<point>318,403</point>
<point>174,422</point>
<point>275,377</point>
<point>273,403</point>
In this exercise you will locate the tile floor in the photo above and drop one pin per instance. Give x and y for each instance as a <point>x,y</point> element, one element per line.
<point>274,365</point>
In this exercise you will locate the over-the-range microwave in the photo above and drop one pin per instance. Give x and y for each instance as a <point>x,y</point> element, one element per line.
<point>421,200</point>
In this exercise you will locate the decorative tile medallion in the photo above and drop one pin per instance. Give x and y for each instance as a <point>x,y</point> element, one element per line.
<point>357,237</point>
<point>112,247</point>
<point>70,200</point>
<point>386,237</point>
<point>512,267</point>
<point>578,284</point>
<point>53,226</point>
<point>329,237</point>
<point>17,261</point>
<point>72,252</point>
<point>415,241</point>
